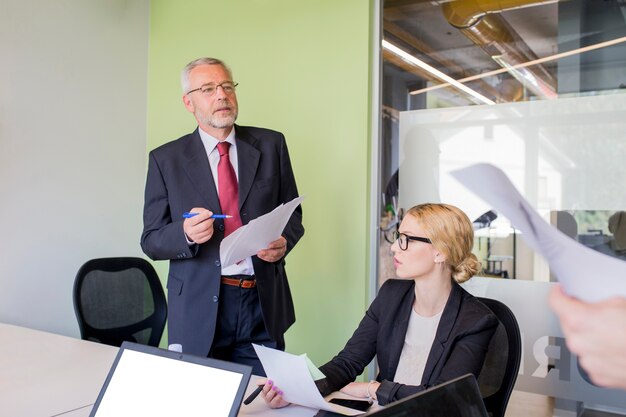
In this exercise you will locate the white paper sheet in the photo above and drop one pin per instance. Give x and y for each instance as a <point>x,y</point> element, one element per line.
<point>257,234</point>
<point>584,273</point>
<point>291,374</point>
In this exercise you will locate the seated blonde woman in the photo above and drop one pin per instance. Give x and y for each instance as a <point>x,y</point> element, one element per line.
<point>423,328</point>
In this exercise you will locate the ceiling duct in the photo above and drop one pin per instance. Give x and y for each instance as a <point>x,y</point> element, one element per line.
<point>506,93</point>
<point>480,22</point>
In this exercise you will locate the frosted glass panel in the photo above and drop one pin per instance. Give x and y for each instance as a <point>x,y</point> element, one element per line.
<point>566,154</point>
<point>562,155</point>
<point>547,367</point>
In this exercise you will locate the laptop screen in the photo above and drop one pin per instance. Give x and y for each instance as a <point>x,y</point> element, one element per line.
<point>148,381</point>
<point>459,397</point>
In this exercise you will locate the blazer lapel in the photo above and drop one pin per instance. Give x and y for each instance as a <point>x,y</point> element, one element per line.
<point>199,172</point>
<point>400,328</point>
<point>248,157</point>
<point>448,318</point>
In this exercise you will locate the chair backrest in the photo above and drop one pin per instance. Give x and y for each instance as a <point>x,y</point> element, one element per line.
<point>499,373</point>
<point>119,299</point>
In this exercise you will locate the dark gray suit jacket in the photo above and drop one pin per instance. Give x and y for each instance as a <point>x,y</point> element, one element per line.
<point>179,178</point>
<point>460,344</point>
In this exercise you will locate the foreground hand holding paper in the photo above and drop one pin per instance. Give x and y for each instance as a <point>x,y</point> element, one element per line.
<point>257,234</point>
<point>292,375</point>
<point>584,273</point>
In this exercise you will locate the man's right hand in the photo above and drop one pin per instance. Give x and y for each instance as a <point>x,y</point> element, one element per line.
<point>199,228</point>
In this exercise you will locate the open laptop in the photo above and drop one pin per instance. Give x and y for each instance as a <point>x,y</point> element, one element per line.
<point>459,397</point>
<point>149,381</point>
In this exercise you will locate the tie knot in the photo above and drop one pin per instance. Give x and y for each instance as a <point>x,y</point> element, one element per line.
<point>223,147</point>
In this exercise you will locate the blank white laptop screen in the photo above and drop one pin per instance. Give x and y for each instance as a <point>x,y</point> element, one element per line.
<point>147,381</point>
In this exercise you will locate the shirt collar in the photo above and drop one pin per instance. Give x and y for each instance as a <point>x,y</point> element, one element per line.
<point>210,142</point>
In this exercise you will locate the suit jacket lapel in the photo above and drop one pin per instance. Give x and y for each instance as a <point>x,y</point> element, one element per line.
<point>448,318</point>
<point>199,172</point>
<point>248,157</point>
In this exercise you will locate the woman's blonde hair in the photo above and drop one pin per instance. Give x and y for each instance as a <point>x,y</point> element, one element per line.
<point>452,234</point>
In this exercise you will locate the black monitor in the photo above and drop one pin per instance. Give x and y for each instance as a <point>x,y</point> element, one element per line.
<point>459,397</point>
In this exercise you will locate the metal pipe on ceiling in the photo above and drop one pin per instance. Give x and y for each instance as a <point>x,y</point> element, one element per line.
<point>508,93</point>
<point>480,21</point>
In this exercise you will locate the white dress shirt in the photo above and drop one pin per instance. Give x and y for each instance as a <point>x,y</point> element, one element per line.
<point>244,267</point>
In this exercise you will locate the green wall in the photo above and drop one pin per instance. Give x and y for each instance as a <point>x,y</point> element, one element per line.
<point>304,69</point>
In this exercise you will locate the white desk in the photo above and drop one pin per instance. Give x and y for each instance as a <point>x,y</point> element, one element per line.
<point>44,374</point>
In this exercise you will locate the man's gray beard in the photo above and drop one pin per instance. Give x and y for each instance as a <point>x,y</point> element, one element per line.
<point>221,123</point>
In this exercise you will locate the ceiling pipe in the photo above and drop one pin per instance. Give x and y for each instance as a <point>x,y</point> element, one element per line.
<point>507,94</point>
<point>480,22</point>
<point>465,13</point>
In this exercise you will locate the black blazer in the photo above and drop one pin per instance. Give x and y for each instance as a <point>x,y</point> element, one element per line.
<point>179,178</point>
<point>460,344</point>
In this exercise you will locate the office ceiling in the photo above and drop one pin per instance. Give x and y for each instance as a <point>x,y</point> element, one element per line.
<point>468,38</point>
<point>421,28</point>
<point>537,26</point>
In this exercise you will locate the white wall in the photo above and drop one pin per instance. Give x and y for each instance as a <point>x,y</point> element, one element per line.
<point>72,148</point>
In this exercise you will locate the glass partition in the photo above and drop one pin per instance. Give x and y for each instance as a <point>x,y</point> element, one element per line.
<point>514,83</point>
<point>534,87</point>
<point>547,366</point>
<point>556,152</point>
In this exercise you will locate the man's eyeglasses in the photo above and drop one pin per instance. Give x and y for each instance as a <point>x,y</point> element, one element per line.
<point>210,89</point>
<point>403,239</point>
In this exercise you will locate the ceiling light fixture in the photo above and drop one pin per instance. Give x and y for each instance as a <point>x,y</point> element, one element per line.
<point>527,64</point>
<point>434,71</point>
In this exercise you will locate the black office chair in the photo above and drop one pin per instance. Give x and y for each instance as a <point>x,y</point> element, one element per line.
<point>119,299</point>
<point>499,373</point>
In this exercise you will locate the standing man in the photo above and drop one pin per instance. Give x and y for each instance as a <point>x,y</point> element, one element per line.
<point>220,168</point>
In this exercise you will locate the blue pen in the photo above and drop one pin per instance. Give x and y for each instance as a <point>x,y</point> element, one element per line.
<point>187,215</point>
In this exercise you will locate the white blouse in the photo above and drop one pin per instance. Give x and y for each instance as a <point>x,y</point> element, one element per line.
<point>417,343</point>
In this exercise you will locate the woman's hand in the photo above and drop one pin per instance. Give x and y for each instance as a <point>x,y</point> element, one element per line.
<point>272,394</point>
<point>360,389</point>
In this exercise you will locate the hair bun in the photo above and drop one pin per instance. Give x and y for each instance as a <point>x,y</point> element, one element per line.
<point>468,267</point>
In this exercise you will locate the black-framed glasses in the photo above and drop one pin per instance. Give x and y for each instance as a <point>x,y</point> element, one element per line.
<point>210,89</point>
<point>403,239</point>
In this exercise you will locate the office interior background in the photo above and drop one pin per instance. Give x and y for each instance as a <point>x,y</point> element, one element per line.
<point>87,88</point>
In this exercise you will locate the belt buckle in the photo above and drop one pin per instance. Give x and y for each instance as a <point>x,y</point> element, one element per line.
<point>241,280</point>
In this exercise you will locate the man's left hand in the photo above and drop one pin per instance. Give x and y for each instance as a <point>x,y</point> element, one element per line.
<point>274,251</point>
